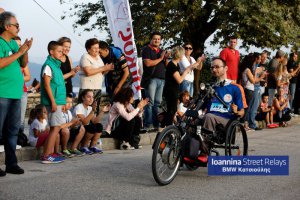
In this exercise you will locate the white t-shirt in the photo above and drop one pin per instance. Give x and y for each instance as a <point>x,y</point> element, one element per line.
<point>181,108</point>
<point>47,71</point>
<point>67,117</point>
<point>93,82</point>
<point>246,82</point>
<point>183,64</point>
<point>40,126</point>
<point>81,110</point>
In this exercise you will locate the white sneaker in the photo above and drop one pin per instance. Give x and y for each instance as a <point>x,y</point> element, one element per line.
<point>126,146</point>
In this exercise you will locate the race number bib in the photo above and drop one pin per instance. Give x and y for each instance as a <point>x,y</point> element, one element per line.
<point>218,107</point>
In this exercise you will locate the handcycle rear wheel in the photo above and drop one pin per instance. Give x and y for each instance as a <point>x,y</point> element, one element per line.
<point>166,155</point>
<point>236,143</point>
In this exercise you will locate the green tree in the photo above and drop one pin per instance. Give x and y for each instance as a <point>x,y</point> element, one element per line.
<point>268,23</point>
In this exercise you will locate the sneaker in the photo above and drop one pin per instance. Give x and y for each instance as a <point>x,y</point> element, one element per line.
<point>126,146</point>
<point>258,129</point>
<point>51,159</point>
<point>2,173</point>
<point>86,150</point>
<point>272,125</point>
<point>138,147</point>
<point>14,170</point>
<point>67,153</point>
<point>249,129</point>
<point>203,158</point>
<point>76,152</point>
<point>58,155</point>
<point>96,150</point>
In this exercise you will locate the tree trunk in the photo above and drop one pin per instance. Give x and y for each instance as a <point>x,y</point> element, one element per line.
<point>198,47</point>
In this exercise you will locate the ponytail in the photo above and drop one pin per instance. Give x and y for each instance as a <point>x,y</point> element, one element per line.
<point>35,112</point>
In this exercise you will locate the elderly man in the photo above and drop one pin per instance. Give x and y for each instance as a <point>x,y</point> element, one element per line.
<point>12,57</point>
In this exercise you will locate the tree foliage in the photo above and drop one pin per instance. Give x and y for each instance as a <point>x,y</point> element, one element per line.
<point>268,23</point>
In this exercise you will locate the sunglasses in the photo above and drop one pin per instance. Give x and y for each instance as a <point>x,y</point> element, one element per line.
<point>16,25</point>
<point>188,48</point>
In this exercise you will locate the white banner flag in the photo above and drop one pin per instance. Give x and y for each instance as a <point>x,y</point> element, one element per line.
<point>120,25</point>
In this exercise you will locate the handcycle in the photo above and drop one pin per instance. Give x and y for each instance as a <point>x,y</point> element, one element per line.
<point>170,146</point>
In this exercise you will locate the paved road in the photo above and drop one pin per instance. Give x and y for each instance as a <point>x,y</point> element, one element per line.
<point>127,175</point>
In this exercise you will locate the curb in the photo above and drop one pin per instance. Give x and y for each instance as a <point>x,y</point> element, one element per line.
<point>31,153</point>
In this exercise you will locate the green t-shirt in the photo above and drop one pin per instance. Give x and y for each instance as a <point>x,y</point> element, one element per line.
<point>11,78</point>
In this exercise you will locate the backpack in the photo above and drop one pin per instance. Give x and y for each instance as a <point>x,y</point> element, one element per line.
<point>22,139</point>
<point>191,147</point>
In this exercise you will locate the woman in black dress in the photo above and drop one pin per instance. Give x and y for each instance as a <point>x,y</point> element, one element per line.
<point>172,81</point>
<point>66,64</point>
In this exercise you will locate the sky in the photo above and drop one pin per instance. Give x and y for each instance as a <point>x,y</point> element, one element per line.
<point>36,23</point>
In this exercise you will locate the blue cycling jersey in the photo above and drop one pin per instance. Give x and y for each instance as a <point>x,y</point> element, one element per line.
<point>229,93</point>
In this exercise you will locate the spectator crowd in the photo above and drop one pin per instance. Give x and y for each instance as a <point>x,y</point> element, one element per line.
<point>267,87</point>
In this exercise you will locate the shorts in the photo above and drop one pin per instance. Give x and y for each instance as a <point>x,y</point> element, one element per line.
<point>94,128</point>
<point>55,118</point>
<point>73,133</point>
<point>41,139</point>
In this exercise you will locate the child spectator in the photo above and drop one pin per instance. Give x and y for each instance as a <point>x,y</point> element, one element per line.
<point>282,111</point>
<point>86,113</point>
<point>53,96</point>
<point>265,112</point>
<point>71,131</point>
<point>184,99</point>
<point>39,129</point>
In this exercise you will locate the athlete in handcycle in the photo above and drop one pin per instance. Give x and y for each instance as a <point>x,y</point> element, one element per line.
<point>193,140</point>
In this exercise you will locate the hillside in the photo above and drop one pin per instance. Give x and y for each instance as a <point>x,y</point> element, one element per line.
<point>35,70</point>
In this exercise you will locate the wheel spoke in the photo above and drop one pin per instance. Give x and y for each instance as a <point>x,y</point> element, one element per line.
<point>165,162</point>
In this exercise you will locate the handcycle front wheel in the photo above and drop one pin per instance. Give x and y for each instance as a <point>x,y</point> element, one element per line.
<point>166,155</point>
<point>236,143</point>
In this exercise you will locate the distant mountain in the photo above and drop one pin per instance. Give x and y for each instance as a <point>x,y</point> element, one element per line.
<point>35,71</point>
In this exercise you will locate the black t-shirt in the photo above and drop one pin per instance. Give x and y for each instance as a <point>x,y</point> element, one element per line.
<point>157,71</point>
<point>292,65</point>
<point>271,77</point>
<point>171,85</point>
<point>112,78</point>
<point>66,68</point>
